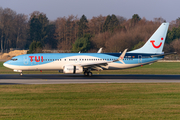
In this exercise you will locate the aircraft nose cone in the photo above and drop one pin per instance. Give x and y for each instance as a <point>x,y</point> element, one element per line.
<point>5,64</point>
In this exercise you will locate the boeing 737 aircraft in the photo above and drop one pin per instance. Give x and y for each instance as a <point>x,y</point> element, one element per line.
<point>86,62</point>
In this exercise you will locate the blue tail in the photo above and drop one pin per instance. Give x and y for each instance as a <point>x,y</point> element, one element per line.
<point>155,43</point>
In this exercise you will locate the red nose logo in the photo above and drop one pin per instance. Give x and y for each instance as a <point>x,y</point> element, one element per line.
<point>152,41</point>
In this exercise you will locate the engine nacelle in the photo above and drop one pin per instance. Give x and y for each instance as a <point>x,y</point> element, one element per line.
<point>72,69</point>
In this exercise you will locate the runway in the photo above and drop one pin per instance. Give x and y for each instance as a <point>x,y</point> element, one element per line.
<point>6,79</point>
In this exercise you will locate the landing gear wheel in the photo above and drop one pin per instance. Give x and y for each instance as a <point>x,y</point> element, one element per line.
<point>21,74</point>
<point>90,74</point>
<point>86,73</point>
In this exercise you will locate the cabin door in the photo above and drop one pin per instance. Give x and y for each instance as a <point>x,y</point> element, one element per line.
<point>25,60</point>
<point>139,58</point>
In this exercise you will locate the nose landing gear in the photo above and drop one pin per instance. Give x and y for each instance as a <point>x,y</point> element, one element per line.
<point>21,74</point>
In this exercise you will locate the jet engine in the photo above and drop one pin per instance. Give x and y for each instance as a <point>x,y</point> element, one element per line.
<point>72,69</point>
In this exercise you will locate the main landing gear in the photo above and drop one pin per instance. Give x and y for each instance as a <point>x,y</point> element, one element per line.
<point>87,73</point>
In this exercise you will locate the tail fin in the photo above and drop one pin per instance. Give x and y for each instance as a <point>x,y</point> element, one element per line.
<point>156,41</point>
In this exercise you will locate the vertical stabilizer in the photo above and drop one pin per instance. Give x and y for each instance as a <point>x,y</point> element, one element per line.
<point>155,43</point>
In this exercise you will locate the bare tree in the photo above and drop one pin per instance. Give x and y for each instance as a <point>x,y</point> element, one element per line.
<point>99,40</point>
<point>121,19</point>
<point>66,32</point>
<point>20,27</point>
<point>159,20</point>
<point>7,17</point>
<point>175,45</point>
<point>95,25</point>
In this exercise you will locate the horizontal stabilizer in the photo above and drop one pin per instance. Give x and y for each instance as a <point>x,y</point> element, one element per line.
<point>163,54</point>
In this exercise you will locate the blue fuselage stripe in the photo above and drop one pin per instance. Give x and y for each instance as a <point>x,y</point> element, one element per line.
<point>44,58</point>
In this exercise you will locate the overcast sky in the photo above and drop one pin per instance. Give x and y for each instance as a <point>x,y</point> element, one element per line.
<point>150,9</point>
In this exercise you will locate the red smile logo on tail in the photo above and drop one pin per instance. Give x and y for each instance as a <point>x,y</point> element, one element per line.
<point>152,41</point>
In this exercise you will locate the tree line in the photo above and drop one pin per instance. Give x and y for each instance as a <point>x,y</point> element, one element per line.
<point>113,33</point>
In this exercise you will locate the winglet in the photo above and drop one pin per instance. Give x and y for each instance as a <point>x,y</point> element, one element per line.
<point>121,57</point>
<point>100,50</point>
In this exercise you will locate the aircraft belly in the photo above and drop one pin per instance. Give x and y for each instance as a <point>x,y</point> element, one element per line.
<point>121,66</point>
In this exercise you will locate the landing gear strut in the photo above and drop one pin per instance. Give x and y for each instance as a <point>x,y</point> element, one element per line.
<point>87,73</point>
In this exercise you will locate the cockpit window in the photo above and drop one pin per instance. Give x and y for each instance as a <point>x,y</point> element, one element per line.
<point>14,59</point>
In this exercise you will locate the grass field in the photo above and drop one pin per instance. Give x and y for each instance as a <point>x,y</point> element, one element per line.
<point>155,68</point>
<point>136,101</point>
<point>90,101</point>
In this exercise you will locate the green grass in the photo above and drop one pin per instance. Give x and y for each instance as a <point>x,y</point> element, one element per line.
<point>155,68</point>
<point>90,101</point>
<point>94,101</point>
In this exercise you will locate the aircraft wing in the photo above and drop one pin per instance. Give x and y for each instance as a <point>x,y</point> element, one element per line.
<point>99,65</point>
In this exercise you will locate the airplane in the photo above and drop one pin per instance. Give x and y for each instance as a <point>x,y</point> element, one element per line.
<point>75,63</point>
